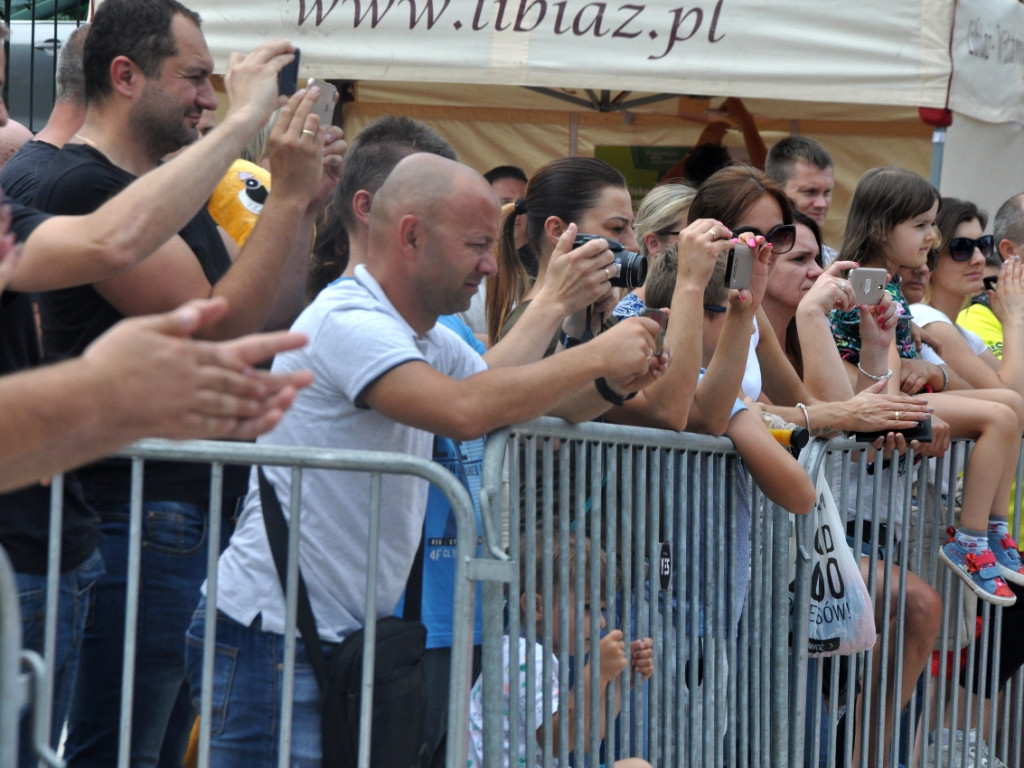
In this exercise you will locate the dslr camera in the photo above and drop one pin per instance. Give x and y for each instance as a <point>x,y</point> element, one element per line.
<point>629,269</point>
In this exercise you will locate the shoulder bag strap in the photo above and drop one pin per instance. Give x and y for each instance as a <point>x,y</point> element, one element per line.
<point>277,536</point>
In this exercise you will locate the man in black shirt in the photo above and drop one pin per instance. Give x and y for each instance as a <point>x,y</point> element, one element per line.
<point>62,415</point>
<point>147,71</point>
<point>20,175</point>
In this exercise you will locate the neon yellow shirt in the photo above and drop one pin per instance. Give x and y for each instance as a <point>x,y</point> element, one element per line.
<point>982,320</point>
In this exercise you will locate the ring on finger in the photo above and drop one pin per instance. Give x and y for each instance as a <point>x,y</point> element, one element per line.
<point>306,131</point>
<point>897,416</point>
<point>842,286</point>
<point>713,232</point>
<point>607,273</point>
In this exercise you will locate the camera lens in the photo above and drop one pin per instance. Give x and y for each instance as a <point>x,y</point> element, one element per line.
<point>630,269</point>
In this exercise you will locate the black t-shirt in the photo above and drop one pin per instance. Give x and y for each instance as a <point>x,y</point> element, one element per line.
<point>78,181</point>
<point>20,175</point>
<point>25,513</point>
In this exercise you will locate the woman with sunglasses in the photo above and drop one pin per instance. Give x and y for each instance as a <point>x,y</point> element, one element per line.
<point>750,202</point>
<point>753,205</point>
<point>890,225</point>
<point>957,269</point>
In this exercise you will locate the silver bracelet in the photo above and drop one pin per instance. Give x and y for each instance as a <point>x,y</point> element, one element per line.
<point>884,377</point>
<point>807,418</point>
<point>945,378</point>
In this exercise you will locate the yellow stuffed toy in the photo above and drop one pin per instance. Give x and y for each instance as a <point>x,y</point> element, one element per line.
<point>239,198</point>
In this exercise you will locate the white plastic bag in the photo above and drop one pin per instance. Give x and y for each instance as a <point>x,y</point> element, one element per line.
<point>842,618</point>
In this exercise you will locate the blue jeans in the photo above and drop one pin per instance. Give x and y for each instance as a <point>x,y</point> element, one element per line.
<point>173,568</point>
<point>248,671</point>
<point>73,603</point>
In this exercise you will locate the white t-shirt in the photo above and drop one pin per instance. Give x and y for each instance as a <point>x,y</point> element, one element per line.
<point>527,743</point>
<point>752,381</point>
<point>355,336</point>
<point>925,315</point>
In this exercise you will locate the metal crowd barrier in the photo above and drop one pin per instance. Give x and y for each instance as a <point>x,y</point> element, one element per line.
<point>670,514</point>
<point>915,501</point>
<point>217,455</point>
<point>665,509</point>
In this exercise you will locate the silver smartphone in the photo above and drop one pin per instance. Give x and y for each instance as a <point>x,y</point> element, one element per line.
<point>325,102</point>
<point>868,284</point>
<point>739,267</point>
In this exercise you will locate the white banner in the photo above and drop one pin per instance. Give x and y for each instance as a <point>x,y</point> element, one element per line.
<point>870,52</point>
<point>988,61</point>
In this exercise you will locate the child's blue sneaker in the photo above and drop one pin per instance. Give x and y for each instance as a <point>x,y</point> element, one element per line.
<point>1007,557</point>
<point>978,569</point>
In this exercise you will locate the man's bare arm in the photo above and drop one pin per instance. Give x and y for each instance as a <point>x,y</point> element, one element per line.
<point>75,250</point>
<point>143,378</point>
<point>418,395</point>
<point>173,275</point>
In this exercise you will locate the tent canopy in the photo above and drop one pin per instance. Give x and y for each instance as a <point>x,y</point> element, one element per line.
<point>894,52</point>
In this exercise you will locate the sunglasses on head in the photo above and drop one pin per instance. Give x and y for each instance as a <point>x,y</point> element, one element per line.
<point>782,236</point>
<point>962,248</point>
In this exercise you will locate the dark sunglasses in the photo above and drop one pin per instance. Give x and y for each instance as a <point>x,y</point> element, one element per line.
<point>962,248</point>
<point>782,237</point>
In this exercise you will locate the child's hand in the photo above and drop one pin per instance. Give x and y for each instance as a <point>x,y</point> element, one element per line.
<point>612,655</point>
<point>641,657</point>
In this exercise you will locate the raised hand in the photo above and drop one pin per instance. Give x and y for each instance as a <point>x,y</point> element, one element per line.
<point>251,81</point>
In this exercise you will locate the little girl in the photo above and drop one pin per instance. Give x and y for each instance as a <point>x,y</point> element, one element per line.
<point>891,225</point>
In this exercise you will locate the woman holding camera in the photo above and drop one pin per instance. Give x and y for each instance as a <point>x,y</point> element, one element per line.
<point>578,191</point>
<point>584,196</point>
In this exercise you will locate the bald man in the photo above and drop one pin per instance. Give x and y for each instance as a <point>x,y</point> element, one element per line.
<point>386,379</point>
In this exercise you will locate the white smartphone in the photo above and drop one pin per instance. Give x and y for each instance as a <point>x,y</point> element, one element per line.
<point>868,284</point>
<point>325,102</point>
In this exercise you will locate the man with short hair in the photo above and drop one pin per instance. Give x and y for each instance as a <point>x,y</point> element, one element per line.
<point>147,81</point>
<point>63,415</point>
<point>508,182</point>
<point>387,378</point>
<point>20,176</point>
<point>805,171</point>
<point>375,151</point>
<point>1008,233</point>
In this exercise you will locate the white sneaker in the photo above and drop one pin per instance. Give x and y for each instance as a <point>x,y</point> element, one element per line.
<point>951,754</point>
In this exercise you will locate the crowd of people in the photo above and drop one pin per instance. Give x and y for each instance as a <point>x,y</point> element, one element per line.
<point>153,322</point>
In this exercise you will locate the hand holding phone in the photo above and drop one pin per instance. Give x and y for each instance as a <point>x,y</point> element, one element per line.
<point>288,77</point>
<point>990,282</point>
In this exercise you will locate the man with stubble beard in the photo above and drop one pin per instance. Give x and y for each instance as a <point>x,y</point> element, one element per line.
<point>147,81</point>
